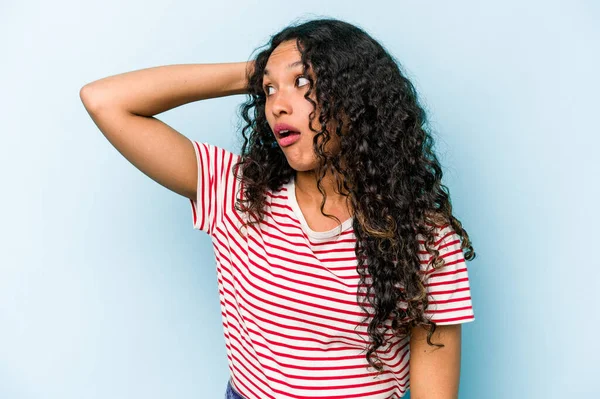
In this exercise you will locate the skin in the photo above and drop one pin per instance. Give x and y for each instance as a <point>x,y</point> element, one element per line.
<point>285,89</point>
<point>434,372</point>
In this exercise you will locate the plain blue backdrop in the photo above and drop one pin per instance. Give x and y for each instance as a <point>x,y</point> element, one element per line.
<point>106,291</point>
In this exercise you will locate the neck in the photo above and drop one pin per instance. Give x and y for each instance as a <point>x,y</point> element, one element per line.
<point>306,184</point>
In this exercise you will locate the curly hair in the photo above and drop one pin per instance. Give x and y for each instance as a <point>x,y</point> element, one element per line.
<point>386,164</point>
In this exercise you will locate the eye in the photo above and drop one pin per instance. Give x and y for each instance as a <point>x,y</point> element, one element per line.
<point>267,90</point>
<point>298,81</point>
<point>302,77</point>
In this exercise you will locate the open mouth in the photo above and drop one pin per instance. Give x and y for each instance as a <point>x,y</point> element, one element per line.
<point>288,137</point>
<point>285,133</point>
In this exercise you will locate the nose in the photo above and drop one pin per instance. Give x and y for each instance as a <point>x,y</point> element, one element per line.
<point>281,103</point>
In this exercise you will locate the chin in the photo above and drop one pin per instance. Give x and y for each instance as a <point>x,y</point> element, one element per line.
<point>301,166</point>
<point>299,160</point>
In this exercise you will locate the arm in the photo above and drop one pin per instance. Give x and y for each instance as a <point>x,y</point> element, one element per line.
<point>123,107</point>
<point>435,372</point>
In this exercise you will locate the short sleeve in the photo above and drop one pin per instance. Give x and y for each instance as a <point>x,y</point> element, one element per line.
<point>216,185</point>
<point>448,288</point>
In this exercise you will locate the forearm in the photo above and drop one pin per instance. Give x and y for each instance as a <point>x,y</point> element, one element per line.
<point>151,91</point>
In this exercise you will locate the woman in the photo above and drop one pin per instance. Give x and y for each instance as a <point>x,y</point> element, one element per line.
<point>340,265</point>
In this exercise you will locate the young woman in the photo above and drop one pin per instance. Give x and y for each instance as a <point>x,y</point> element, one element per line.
<point>340,266</point>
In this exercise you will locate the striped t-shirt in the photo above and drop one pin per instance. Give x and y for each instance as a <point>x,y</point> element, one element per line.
<point>292,324</point>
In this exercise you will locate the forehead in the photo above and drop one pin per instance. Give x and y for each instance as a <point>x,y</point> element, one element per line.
<point>285,56</point>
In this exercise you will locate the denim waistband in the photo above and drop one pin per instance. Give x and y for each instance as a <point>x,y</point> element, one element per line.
<point>231,393</point>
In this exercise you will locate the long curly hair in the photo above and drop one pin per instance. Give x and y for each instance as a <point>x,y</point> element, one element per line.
<point>386,164</point>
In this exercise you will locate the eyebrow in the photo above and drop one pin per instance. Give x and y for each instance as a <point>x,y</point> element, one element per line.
<point>292,65</point>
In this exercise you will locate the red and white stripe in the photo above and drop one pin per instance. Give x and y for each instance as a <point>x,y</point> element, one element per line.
<point>292,325</point>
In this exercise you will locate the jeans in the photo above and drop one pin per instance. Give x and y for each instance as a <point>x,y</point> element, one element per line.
<point>231,393</point>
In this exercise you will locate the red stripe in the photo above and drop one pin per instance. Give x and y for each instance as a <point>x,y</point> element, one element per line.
<point>448,310</point>
<point>194,211</point>
<point>451,282</point>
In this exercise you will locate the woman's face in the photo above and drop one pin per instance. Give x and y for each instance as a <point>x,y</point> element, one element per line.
<point>284,87</point>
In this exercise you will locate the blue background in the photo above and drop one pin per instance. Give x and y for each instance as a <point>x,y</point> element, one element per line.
<point>106,291</point>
